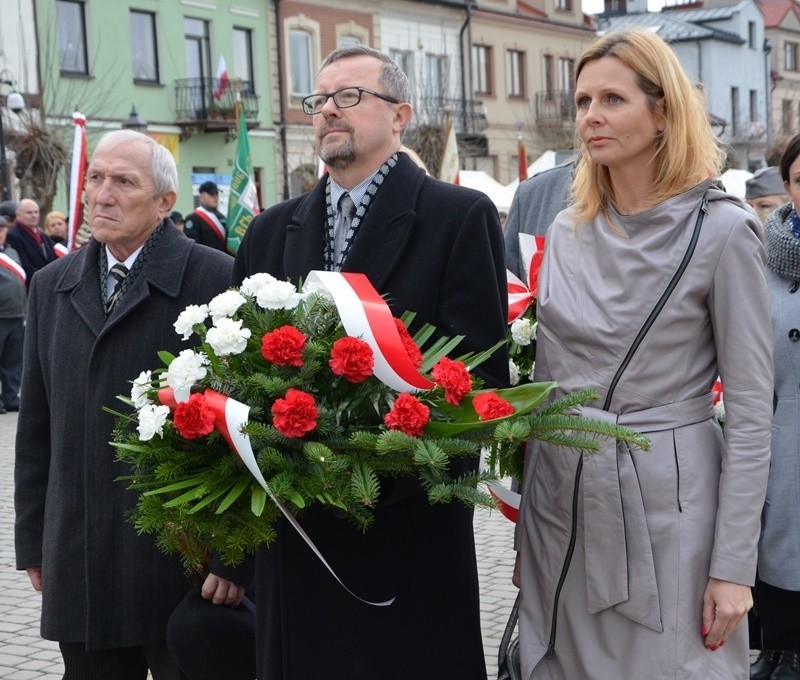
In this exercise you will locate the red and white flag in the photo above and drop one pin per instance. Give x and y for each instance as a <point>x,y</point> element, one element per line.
<point>222,82</point>
<point>450,164</point>
<point>77,177</point>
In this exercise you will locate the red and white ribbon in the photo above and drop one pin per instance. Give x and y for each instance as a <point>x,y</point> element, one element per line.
<point>7,263</point>
<point>507,501</point>
<point>213,222</point>
<point>522,293</point>
<point>230,416</point>
<point>366,315</point>
<point>60,249</point>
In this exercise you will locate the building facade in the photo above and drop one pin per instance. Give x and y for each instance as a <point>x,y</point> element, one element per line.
<point>106,58</point>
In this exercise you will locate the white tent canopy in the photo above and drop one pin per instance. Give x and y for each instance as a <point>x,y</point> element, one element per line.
<point>546,161</point>
<point>477,179</point>
<point>734,180</point>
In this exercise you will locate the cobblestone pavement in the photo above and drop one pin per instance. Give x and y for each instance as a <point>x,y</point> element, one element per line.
<point>25,656</point>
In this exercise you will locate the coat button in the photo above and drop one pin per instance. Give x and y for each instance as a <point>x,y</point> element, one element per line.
<point>794,335</point>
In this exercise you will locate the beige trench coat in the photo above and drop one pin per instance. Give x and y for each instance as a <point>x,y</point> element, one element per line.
<point>615,557</point>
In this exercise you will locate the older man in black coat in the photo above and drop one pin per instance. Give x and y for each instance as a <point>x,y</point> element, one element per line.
<point>431,248</point>
<point>92,328</point>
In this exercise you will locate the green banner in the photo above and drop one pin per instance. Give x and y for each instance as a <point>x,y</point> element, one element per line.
<point>243,199</point>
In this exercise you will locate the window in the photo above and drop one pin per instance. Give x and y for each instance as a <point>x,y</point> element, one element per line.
<point>144,54</point>
<point>735,111</point>
<point>515,73</point>
<point>405,61</point>
<point>300,55</point>
<point>349,41</point>
<point>787,116</point>
<point>436,76</point>
<point>71,35</point>
<point>753,106</point>
<point>549,85</point>
<point>564,5</point>
<point>790,56</point>
<point>243,58</point>
<point>751,34</point>
<point>566,74</point>
<point>482,68</point>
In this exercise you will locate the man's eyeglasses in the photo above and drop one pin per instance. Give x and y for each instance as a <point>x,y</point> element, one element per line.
<point>345,98</point>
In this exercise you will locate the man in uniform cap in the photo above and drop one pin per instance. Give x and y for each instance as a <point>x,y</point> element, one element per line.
<point>764,191</point>
<point>206,224</point>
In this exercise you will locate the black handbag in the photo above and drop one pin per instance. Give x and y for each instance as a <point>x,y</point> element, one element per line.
<point>508,653</point>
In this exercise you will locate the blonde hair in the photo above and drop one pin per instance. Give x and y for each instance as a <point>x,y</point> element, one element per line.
<point>685,154</point>
<point>55,214</point>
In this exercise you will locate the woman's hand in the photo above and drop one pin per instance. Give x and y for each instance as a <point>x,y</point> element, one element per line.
<point>725,604</point>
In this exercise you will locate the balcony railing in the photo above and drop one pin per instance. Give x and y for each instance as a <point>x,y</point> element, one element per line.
<point>468,116</point>
<point>196,107</point>
<point>554,106</point>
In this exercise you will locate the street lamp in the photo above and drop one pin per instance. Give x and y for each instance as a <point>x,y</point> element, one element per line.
<point>135,121</point>
<point>16,103</point>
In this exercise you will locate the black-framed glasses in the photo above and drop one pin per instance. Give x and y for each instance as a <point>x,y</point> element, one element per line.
<point>345,98</point>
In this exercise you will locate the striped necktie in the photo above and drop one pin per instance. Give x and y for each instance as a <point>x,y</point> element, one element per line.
<point>118,272</point>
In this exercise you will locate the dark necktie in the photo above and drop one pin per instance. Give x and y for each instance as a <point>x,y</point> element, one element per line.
<point>348,209</point>
<point>118,272</point>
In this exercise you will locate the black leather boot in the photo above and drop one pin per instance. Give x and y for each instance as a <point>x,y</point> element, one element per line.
<point>788,667</point>
<point>762,667</point>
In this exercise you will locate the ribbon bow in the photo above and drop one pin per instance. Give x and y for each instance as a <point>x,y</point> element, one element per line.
<point>521,294</point>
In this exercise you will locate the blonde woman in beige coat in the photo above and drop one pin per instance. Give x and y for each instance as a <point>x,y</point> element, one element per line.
<point>632,564</point>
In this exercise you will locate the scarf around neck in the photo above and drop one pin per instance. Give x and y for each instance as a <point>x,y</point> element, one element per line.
<point>782,246</point>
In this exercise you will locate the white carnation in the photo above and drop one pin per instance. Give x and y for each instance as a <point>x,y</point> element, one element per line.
<point>185,370</point>
<point>140,389</point>
<point>252,284</point>
<point>278,295</point>
<point>311,288</point>
<point>227,336</point>
<point>719,411</point>
<point>225,304</point>
<point>523,332</point>
<point>151,421</point>
<point>513,372</point>
<point>189,318</point>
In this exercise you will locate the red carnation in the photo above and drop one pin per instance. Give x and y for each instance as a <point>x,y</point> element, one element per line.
<point>489,406</point>
<point>295,414</point>
<point>284,346</point>
<point>352,358</point>
<point>408,343</point>
<point>194,418</point>
<point>408,415</point>
<point>454,378</point>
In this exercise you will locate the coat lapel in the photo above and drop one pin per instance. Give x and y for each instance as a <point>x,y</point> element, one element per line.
<point>305,235</point>
<point>388,225</point>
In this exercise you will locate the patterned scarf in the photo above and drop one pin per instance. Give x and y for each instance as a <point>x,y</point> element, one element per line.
<point>102,264</point>
<point>355,223</point>
<point>782,243</point>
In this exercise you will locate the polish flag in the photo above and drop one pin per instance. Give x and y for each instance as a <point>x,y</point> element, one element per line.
<point>221,83</point>
<point>76,179</point>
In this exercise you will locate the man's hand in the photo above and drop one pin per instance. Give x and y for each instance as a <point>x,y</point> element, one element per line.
<point>725,604</point>
<point>221,591</point>
<point>35,575</point>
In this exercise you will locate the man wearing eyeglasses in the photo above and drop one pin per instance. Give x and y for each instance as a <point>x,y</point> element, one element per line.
<point>429,247</point>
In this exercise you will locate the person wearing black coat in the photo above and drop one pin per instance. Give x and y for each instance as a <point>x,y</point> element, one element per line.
<point>107,592</point>
<point>428,247</point>
<point>34,247</point>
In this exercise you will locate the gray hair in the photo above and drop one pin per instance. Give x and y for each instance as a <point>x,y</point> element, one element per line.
<point>392,79</point>
<point>162,164</point>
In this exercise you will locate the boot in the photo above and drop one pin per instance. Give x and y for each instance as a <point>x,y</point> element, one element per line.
<point>788,667</point>
<point>762,667</point>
